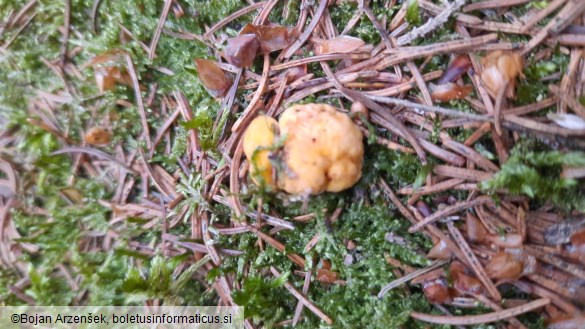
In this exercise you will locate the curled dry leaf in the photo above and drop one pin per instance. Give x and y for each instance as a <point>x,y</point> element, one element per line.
<point>98,136</point>
<point>106,77</point>
<point>358,108</point>
<point>449,91</point>
<point>476,232</point>
<point>326,276</point>
<point>103,79</point>
<point>212,77</point>
<point>341,44</point>
<point>107,71</point>
<point>504,266</point>
<point>500,70</point>
<point>271,37</point>
<point>437,291</point>
<point>241,50</point>
<point>440,251</point>
<point>566,120</point>
<point>110,56</point>
<point>295,72</point>
<point>458,66</point>
<point>463,281</point>
<point>467,284</point>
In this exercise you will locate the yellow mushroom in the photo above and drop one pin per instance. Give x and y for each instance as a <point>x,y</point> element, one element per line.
<point>258,139</point>
<point>322,151</point>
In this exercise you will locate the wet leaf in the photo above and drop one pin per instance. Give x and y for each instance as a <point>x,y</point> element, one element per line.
<point>241,50</point>
<point>212,77</point>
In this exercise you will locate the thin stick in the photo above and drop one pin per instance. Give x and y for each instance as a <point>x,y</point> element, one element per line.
<point>95,7</point>
<point>307,33</point>
<point>474,262</point>
<point>410,276</point>
<point>139,102</point>
<point>67,26</point>
<point>493,4</point>
<point>550,8</point>
<point>431,24</point>
<point>317,58</point>
<point>356,96</point>
<point>403,210</point>
<point>252,106</point>
<point>157,31</point>
<point>436,188</point>
<point>484,318</point>
<point>573,104</point>
<point>94,152</point>
<point>299,308</point>
<point>409,53</point>
<point>557,262</point>
<point>449,211</point>
<point>303,299</point>
<point>499,107</point>
<point>568,14</point>
<point>231,17</point>
<point>432,109</point>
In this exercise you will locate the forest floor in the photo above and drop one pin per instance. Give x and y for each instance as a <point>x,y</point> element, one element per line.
<point>123,181</point>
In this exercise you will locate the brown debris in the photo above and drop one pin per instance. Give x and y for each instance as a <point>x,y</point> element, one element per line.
<point>389,91</point>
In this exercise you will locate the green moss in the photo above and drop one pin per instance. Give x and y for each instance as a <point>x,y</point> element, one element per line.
<point>537,175</point>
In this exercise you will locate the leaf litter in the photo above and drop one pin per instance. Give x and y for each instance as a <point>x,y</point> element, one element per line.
<point>501,199</point>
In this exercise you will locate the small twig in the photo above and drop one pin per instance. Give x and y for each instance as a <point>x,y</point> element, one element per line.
<point>262,16</point>
<point>139,102</point>
<point>157,31</point>
<point>303,299</point>
<point>67,27</point>
<point>94,152</point>
<point>317,58</point>
<point>572,10</point>
<point>431,109</point>
<point>493,4</point>
<point>396,201</point>
<point>411,276</point>
<point>358,97</point>
<point>308,31</point>
<point>94,15</point>
<point>557,262</point>
<point>231,17</point>
<point>470,154</point>
<point>400,55</point>
<point>535,19</point>
<point>474,262</point>
<point>462,173</point>
<point>573,104</point>
<point>305,291</point>
<point>484,318</point>
<point>252,107</point>
<point>431,24</point>
<point>449,211</point>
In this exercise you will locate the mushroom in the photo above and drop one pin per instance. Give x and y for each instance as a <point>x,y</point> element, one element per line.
<point>258,139</point>
<point>322,149</point>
